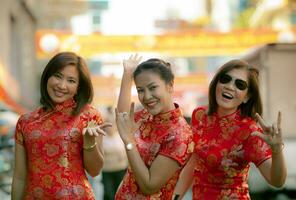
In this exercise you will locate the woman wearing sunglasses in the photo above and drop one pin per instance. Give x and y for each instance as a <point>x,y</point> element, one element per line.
<point>227,139</point>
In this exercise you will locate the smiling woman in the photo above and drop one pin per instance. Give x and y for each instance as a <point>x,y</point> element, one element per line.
<point>154,137</point>
<point>58,142</point>
<point>63,84</point>
<point>228,139</point>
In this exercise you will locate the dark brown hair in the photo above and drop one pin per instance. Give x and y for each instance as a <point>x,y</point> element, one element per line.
<point>57,63</point>
<point>158,66</point>
<point>254,104</point>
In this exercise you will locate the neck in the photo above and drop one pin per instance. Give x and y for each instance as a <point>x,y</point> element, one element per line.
<point>224,112</point>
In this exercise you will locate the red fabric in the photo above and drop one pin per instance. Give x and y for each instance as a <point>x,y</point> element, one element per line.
<point>224,148</point>
<point>167,134</point>
<point>53,142</point>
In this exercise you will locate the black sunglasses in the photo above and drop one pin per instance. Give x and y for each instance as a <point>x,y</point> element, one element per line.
<point>240,84</point>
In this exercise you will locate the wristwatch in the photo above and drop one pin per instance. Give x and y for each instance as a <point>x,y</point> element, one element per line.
<point>129,146</point>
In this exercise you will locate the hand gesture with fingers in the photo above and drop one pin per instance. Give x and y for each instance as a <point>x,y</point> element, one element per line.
<point>126,124</point>
<point>272,135</point>
<point>93,130</point>
<point>131,63</point>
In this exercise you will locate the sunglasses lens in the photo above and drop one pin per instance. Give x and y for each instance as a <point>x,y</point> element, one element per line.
<point>224,78</point>
<point>240,84</point>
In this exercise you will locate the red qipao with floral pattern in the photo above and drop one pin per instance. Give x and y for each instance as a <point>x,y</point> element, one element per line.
<point>53,141</point>
<point>166,134</point>
<point>225,148</point>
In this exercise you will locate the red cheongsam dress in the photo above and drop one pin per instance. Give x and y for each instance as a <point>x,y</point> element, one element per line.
<point>53,141</point>
<point>166,134</point>
<point>225,148</point>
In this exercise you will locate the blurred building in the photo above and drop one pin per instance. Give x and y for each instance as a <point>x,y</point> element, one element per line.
<point>206,33</point>
<point>17,52</point>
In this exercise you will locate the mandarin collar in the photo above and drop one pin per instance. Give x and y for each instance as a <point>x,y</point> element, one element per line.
<point>65,106</point>
<point>167,116</point>
<point>231,116</point>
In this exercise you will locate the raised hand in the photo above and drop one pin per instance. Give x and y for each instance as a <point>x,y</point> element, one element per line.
<point>92,131</point>
<point>126,124</point>
<point>131,63</point>
<point>95,130</point>
<point>272,135</point>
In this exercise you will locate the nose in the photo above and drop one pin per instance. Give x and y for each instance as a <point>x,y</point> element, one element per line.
<point>147,95</point>
<point>62,84</point>
<point>230,85</point>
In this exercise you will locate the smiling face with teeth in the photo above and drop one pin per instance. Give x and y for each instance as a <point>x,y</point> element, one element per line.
<point>154,93</point>
<point>235,86</point>
<point>63,84</point>
<point>228,96</point>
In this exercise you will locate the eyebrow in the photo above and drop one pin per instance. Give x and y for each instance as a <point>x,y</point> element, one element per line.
<point>71,77</point>
<point>236,78</point>
<point>150,84</point>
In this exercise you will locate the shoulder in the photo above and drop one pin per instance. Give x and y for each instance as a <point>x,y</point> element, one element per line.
<point>250,124</point>
<point>199,113</point>
<point>142,114</point>
<point>90,110</point>
<point>180,129</point>
<point>246,127</point>
<point>30,116</point>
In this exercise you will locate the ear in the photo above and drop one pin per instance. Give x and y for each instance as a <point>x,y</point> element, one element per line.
<point>246,99</point>
<point>171,86</point>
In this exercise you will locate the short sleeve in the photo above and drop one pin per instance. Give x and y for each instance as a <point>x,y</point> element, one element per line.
<point>141,115</point>
<point>90,114</point>
<point>178,144</point>
<point>18,135</point>
<point>256,149</point>
<point>198,115</point>
<point>198,118</point>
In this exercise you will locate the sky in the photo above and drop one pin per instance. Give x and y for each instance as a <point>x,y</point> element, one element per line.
<point>138,16</point>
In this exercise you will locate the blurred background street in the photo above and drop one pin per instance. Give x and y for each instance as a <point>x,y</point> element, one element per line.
<point>195,36</point>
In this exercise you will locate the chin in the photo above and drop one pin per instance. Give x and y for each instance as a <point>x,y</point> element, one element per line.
<point>154,111</point>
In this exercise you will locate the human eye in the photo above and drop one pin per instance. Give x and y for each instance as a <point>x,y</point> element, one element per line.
<point>140,90</point>
<point>153,87</point>
<point>72,81</point>
<point>57,75</point>
<point>241,84</point>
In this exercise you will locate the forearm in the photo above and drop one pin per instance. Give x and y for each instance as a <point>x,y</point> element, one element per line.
<point>124,99</point>
<point>19,173</point>
<point>140,171</point>
<point>18,188</point>
<point>93,158</point>
<point>183,185</point>
<point>278,171</point>
<point>185,178</point>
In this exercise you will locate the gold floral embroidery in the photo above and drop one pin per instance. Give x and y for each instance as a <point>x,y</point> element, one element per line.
<point>48,125</point>
<point>190,147</point>
<point>63,161</point>
<point>51,149</point>
<point>47,181</point>
<point>211,159</point>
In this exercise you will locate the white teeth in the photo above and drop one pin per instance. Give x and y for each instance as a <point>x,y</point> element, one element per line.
<point>151,104</point>
<point>227,95</point>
